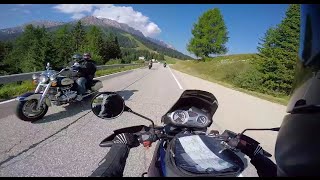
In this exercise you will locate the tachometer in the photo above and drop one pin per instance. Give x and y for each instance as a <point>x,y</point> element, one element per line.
<point>179,116</point>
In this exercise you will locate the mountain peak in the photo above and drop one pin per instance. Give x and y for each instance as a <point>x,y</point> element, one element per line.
<point>86,21</point>
<point>39,23</point>
<point>45,23</point>
<point>99,21</point>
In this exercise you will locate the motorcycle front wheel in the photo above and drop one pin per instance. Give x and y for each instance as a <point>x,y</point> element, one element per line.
<point>26,110</point>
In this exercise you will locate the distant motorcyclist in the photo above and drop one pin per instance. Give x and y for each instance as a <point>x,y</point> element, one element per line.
<point>150,64</point>
<point>87,70</point>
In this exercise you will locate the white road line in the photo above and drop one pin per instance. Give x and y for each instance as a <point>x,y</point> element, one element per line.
<point>175,79</point>
<point>7,101</point>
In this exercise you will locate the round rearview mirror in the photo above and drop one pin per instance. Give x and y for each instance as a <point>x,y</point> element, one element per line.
<point>107,105</point>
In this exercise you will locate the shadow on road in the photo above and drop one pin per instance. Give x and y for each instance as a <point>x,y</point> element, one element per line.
<point>126,94</point>
<point>75,108</point>
<point>70,110</point>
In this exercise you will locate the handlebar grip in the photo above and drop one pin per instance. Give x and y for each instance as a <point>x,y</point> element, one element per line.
<point>106,144</point>
<point>266,153</point>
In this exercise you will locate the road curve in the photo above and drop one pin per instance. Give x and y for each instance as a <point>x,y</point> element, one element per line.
<point>65,142</point>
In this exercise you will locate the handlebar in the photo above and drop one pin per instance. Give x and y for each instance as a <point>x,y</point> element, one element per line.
<point>62,70</point>
<point>146,137</point>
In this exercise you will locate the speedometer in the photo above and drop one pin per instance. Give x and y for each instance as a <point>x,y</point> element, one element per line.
<point>202,120</point>
<point>179,116</point>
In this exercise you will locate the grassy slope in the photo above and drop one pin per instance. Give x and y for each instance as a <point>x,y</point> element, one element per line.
<point>222,70</point>
<point>140,45</point>
<point>168,59</point>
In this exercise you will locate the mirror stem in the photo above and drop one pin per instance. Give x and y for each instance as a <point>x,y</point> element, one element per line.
<point>262,129</point>
<point>129,110</point>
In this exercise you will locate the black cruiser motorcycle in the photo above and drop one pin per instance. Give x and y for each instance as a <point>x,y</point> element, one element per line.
<point>53,87</point>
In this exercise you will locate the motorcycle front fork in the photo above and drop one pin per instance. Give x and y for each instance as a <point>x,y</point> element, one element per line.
<point>44,93</point>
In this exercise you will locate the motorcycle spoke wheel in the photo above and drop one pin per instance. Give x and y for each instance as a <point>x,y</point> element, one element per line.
<point>29,109</point>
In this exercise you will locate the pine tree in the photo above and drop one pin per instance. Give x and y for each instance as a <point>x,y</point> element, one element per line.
<point>209,35</point>
<point>78,36</point>
<point>111,48</point>
<point>278,53</point>
<point>62,42</point>
<point>94,44</point>
<point>5,49</point>
<point>117,48</point>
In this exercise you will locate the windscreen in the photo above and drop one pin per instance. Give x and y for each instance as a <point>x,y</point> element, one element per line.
<point>197,98</point>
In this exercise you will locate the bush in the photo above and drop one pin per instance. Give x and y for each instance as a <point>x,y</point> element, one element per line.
<point>250,79</point>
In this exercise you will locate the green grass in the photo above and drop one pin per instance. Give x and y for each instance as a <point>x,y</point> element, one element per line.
<point>171,60</point>
<point>223,74</point>
<point>140,45</point>
<point>11,90</point>
<point>233,57</point>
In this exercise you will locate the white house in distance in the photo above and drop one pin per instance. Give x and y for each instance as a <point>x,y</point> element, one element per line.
<point>141,58</point>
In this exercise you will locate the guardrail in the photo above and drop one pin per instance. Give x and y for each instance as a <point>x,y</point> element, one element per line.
<point>28,76</point>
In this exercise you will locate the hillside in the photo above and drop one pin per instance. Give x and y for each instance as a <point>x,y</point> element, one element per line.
<point>128,37</point>
<point>231,71</point>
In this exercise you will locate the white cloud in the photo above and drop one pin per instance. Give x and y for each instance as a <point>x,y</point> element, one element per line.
<point>122,14</point>
<point>74,8</point>
<point>152,28</point>
<point>78,16</point>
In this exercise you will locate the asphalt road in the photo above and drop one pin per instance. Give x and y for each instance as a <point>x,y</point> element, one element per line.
<point>66,141</point>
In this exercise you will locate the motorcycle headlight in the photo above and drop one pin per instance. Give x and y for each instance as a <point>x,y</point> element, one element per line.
<point>35,76</point>
<point>52,77</point>
<point>43,79</point>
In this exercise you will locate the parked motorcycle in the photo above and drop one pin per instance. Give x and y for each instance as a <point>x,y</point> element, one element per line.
<point>164,64</point>
<point>184,148</point>
<point>52,88</point>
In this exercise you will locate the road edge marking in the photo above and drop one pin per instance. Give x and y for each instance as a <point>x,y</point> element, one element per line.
<point>175,78</point>
<point>7,101</point>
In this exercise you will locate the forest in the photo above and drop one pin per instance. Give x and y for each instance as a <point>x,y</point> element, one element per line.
<point>36,46</point>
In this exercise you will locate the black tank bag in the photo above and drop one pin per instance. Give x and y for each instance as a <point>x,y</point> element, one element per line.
<point>214,161</point>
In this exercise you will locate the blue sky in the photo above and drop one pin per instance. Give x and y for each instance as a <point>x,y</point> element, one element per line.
<point>171,23</point>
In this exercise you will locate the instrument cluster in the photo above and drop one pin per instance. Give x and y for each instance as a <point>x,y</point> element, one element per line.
<point>193,117</point>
